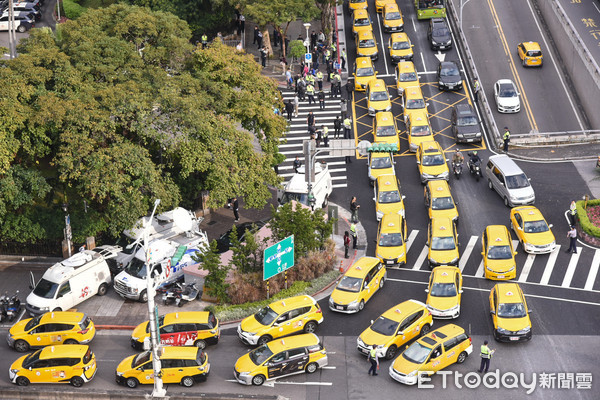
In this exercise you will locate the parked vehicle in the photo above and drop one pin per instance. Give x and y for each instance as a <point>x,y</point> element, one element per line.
<point>13,306</point>
<point>297,189</point>
<point>23,22</point>
<point>189,292</point>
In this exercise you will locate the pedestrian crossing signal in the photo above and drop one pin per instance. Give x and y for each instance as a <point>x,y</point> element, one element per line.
<point>383,148</point>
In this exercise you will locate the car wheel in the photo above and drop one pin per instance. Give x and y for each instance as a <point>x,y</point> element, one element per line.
<point>57,309</point>
<point>391,352</point>
<point>425,329</point>
<point>21,29</point>
<point>102,289</point>
<point>188,381</point>
<point>258,380</point>
<point>264,340</point>
<point>361,305</point>
<point>76,381</point>
<point>70,341</point>
<point>310,327</point>
<point>21,346</point>
<point>462,357</point>
<point>131,382</point>
<point>506,203</point>
<point>312,368</point>
<point>144,296</point>
<point>325,202</point>
<point>381,282</point>
<point>201,344</point>
<point>490,184</point>
<point>22,381</point>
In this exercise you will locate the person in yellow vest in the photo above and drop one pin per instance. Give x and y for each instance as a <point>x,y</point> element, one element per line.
<point>486,355</point>
<point>354,235</point>
<point>204,41</point>
<point>572,212</point>
<point>506,138</point>
<point>374,360</point>
<point>310,79</point>
<point>343,58</point>
<point>320,80</point>
<point>325,135</point>
<point>333,51</point>
<point>326,56</point>
<point>310,92</point>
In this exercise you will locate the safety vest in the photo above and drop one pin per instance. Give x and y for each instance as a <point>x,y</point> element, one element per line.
<point>485,351</point>
<point>338,77</point>
<point>333,48</point>
<point>325,131</point>
<point>573,208</point>
<point>476,86</point>
<point>506,135</point>
<point>332,75</point>
<point>310,89</point>
<point>344,54</point>
<point>310,79</point>
<point>353,229</point>
<point>327,54</point>
<point>373,354</point>
<point>347,123</point>
<point>320,76</point>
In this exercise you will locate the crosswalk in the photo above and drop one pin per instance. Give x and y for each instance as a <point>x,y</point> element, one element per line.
<point>291,143</point>
<point>576,271</point>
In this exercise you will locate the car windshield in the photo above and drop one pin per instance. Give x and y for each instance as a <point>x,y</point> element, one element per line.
<point>442,243</point>
<point>389,197</point>
<point>420,130</point>
<point>390,239</point>
<point>379,96</point>
<point>31,358</point>
<point>512,310</point>
<point>136,268</point>
<point>45,289</point>
<point>534,53</point>
<point>414,104</point>
<point>365,72</point>
<point>366,43</point>
<point>466,121</point>
<point>401,46</point>
<point>393,16</point>
<point>517,181</point>
<point>350,284</point>
<point>408,77</point>
<point>507,90</point>
<point>299,197</point>
<point>416,353</point>
<point>535,226</point>
<point>260,354</point>
<point>499,253</point>
<point>384,326</point>
<point>433,159</point>
<point>200,357</point>
<point>33,322</point>
<point>443,290</point>
<point>441,32</point>
<point>140,359</point>
<point>449,71</point>
<point>381,162</point>
<point>442,203</point>
<point>388,130</point>
<point>361,22</point>
<point>266,316</point>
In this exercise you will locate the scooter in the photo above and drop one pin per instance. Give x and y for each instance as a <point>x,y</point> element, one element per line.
<point>171,293</point>
<point>13,307</point>
<point>3,305</point>
<point>475,168</point>
<point>457,168</point>
<point>189,293</point>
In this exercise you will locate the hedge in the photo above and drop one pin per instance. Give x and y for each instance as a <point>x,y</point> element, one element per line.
<point>584,221</point>
<point>71,9</point>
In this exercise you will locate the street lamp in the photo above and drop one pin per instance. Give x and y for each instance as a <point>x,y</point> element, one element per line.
<point>158,391</point>
<point>307,41</point>
<point>67,231</point>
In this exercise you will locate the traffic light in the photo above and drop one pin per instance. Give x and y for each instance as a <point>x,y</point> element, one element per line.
<point>383,148</point>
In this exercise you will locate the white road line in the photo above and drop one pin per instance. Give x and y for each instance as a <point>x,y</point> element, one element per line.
<point>423,60</point>
<point>340,185</point>
<point>421,258</point>
<point>589,283</point>
<point>329,367</point>
<point>387,71</point>
<point>527,268</point>
<point>479,273</point>
<point>305,383</point>
<point>467,253</point>
<point>571,269</point>
<point>411,239</point>
<point>515,244</point>
<point>550,266</point>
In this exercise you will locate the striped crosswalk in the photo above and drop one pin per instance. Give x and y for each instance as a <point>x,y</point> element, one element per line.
<point>291,143</point>
<point>578,270</point>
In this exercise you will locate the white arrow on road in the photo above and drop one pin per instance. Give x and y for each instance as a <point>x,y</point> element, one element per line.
<point>440,56</point>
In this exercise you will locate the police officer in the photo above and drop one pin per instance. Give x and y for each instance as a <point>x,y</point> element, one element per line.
<point>374,360</point>
<point>325,130</point>
<point>333,51</point>
<point>354,235</point>
<point>320,80</point>
<point>204,41</point>
<point>343,58</point>
<point>506,139</point>
<point>347,128</point>
<point>338,83</point>
<point>476,89</point>
<point>486,355</point>
<point>572,212</point>
<point>310,92</point>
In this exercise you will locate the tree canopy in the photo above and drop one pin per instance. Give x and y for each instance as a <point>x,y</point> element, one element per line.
<point>118,109</point>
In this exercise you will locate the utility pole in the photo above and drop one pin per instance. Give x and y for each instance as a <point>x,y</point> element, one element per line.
<point>12,37</point>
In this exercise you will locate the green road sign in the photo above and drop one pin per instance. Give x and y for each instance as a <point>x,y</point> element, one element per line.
<point>278,258</point>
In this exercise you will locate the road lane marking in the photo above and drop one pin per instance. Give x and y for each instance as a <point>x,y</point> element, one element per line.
<point>589,283</point>
<point>549,266</point>
<point>382,44</point>
<point>305,383</point>
<point>479,273</point>
<point>571,269</point>
<point>465,255</point>
<point>421,258</point>
<point>527,268</point>
<point>411,239</point>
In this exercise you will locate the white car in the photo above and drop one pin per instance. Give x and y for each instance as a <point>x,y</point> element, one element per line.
<point>507,96</point>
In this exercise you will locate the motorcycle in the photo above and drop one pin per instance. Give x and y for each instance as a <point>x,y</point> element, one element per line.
<point>189,293</point>
<point>475,168</point>
<point>170,292</point>
<point>13,306</point>
<point>457,168</point>
<point>3,305</point>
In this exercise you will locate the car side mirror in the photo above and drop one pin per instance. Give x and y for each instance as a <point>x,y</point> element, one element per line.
<point>403,197</point>
<point>460,291</point>
<point>514,253</point>
<point>372,322</point>
<point>550,226</point>
<point>418,162</point>
<point>492,312</point>
<point>530,311</point>
<point>374,199</point>
<point>529,179</point>
<point>426,290</point>
<point>482,253</point>
<point>400,332</point>
<point>447,160</point>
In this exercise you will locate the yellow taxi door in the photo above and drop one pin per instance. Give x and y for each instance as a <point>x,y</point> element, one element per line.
<point>171,369</point>
<point>144,373</point>
<point>436,360</point>
<point>41,335</point>
<point>493,308</point>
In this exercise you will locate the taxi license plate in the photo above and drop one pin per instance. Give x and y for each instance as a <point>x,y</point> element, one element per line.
<point>389,262</point>
<point>514,338</point>
<point>364,351</point>
<point>470,140</point>
<point>339,307</point>
<point>501,276</point>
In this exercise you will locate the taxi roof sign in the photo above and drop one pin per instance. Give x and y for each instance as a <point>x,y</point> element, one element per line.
<point>498,239</point>
<point>509,293</point>
<point>444,273</point>
<point>391,224</point>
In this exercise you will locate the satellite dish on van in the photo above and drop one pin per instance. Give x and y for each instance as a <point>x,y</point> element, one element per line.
<point>363,145</point>
<point>182,219</point>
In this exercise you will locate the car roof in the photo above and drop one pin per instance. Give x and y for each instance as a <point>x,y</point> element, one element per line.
<point>290,303</point>
<point>497,235</point>
<point>62,317</point>
<point>290,342</point>
<point>531,46</point>
<point>439,188</point>
<point>529,213</point>
<point>391,7</point>
<point>384,118</point>
<point>509,293</point>
<point>406,66</point>
<point>360,267</point>
<point>399,311</point>
<point>505,164</point>
<point>377,83</point>
<point>180,352</point>
<point>464,110</point>
<point>413,92</point>
<point>444,274</point>
<point>378,154</point>
<point>391,223</point>
<point>418,117</point>
<point>363,62</point>
<point>366,34</point>
<point>431,146</point>
<point>63,350</point>
<point>505,82</point>
<point>448,64</point>
<point>400,36</point>
<point>361,13</point>
<point>441,335</point>
<point>387,182</point>
<point>441,226</point>
<point>200,317</point>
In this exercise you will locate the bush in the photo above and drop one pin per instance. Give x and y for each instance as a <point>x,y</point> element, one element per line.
<point>71,9</point>
<point>584,221</point>
<point>297,49</point>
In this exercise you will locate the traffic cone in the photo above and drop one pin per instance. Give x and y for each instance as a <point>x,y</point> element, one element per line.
<point>342,267</point>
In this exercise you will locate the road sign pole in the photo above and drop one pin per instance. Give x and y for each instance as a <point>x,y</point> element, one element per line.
<point>285,275</point>
<point>267,289</point>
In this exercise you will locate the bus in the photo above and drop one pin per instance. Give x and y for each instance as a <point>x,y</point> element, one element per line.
<point>430,9</point>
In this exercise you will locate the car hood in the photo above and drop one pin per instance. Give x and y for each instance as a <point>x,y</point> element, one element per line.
<point>140,331</point>
<point>451,79</point>
<point>509,101</point>
<point>370,337</point>
<point>442,303</point>
<point>343,297</point>
<point>19,327</point>
<point>540,238</point>
<point>441,38</point>
<point>250,324</point>
<point>391,252</point>
<point>245,364</point>
<point>404,366</point>
<point>468,129</point>
<point>514,324</point>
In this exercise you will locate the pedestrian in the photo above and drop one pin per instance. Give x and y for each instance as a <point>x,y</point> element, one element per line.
<point>354,235</point>
<point>476,88</point>
<point>288,78</point>
<point>319,137</point>
<point>374,360</point>
<point>321,37</point>
<point>572,235</point>
<point>296,105</point>
<point>325,131</point>
<point>344,108</point>
<point>486,355</point>
<point>242,23</point>
<point>354,206</point>
<point>346,244</point>
<point>349,89</point>
<point>310,93</point>
<point>347,128</point>
<point>263,56</point>
<point>321,97</point>
<point>337,126</point>
<point>236,208</point>
<point>297,164</point>
<point>312,130</point>
<point>310,119</point>
<point>255,35</point>
<point>315,58</point>
<point>320,80</point>
<point>572,212</point>
<point>204,41</point>
<point>506,139</point>
<point>259,39</point>
<point>283,62</point>
<point>338,83</point>
<point>289,108</point>
<point>343,58</point>
<point>329,71</point>
<point>313,39</point>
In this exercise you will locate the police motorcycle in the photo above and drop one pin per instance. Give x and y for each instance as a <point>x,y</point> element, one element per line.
<point>13,306</point>
<point>474,165</point>
<point>170,292</point>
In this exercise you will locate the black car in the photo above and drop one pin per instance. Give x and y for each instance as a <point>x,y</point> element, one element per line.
<point>448,76</point>
<point>438,34</point>
<point>224,242</point>
<point>465,125</point>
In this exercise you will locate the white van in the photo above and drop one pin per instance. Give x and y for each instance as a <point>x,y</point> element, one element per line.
<point>511,183</point>
<point>69,282</point>
<point>297,189</point>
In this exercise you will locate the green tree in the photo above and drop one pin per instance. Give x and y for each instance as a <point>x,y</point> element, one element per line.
<point>327,8</point>
<point>215,280</point>
<point>247,255</point>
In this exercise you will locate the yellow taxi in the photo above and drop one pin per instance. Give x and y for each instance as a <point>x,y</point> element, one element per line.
<point>413,102</point>
<point>63,363</point>
<point>394,328</point>
<point>184,365</point>
<point>57,327</point>
<point>189,328</point>
<point>281,318</point>
<point>510,314</point>
<point>357,5</point>
<point>400,47</point>
<point>530,54</point>
<point>361,21</point>
<point>391,240</point>
<point>366,45</point>
<point>444,292</point>
<point>392,18</point>
<point>385,129</point>
<point>418,129</point>
<point>363,73</point>
<point>365,277</point>
<point>380,164</point>
<point>442,240</point>
<point>431,353</point>
<point>388,199</point>
<point>281,357</point>
<point>432,162</point>
<point>532,230</point>
<point>498,254</point>
<point>380,4</point>
<point>439,201</point>
<point>378,98</point>
<point>406,76</point>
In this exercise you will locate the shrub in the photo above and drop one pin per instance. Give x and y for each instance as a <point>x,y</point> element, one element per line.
<point>71,9</point>
<point>587,226</point>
